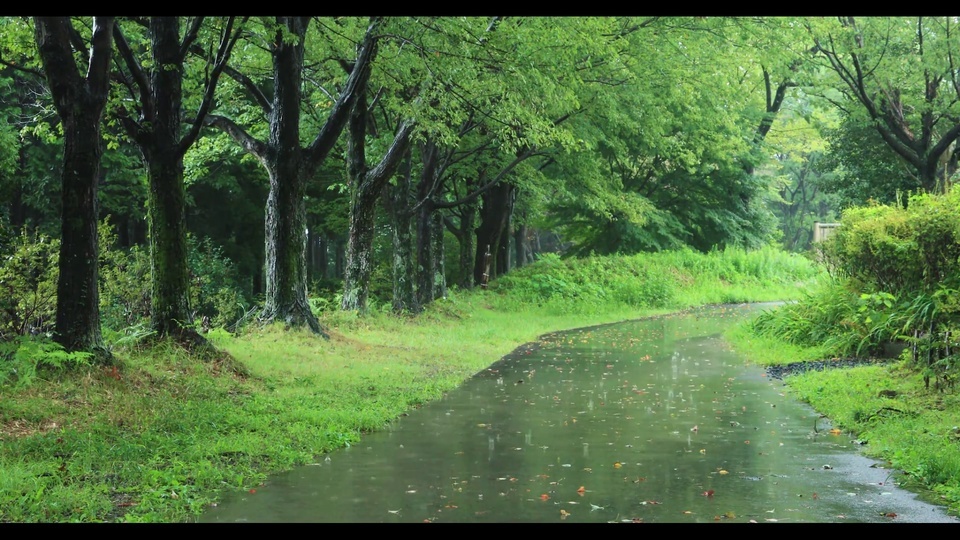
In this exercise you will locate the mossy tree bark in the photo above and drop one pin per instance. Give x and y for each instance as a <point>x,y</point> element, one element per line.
<point>80,102</point>
<point>289,165</point>
<point>159,135</point>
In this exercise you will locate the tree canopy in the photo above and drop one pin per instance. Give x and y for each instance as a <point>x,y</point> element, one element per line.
<point>340,155</point>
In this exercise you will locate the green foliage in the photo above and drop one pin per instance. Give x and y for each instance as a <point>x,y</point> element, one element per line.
<point>28,284</point>
<point>865,168</point>
<point>125,284</point>
<point>215,292</point>
<point>668,279</point>
<point>897,271</point>
<point>23,358</point>
<point>910,248</point>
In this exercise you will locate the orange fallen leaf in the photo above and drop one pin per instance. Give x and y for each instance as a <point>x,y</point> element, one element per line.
<point>544,497</point>
<point>835,431</point>
<point>617,465</point>
<point>253,491</point>
<point>582,490</point>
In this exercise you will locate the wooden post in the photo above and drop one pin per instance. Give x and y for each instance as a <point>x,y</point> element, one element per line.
<point>486,268</point>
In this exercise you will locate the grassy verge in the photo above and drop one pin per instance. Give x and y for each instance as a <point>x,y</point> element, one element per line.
<point>163,437</point>
<point>886,407</point>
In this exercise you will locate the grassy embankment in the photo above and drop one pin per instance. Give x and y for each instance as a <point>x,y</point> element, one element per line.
<point>165,436</point>
<point>886,406</point>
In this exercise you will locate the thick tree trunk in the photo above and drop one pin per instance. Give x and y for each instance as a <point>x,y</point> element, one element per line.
<point>166,200</point>
<point>356,278</point>
<point>285,223</point>
<point>286,246</point>
<point>426,272</point>
<point>80,104</point>
<point>356,281</point>
<point>166,211</point>
<point>78,297</point>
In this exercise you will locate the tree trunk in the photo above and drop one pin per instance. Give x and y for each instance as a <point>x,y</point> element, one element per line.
<point>78,298</point>
<point>286,214</point>
<point>521,245</point>
<point>425,259</point>
<point>439,262</point>
<point>170,292</point>
<point>356,278</point>
<point>494,220</point>
<point>396,201</point>
<point>79,103</point>
<point>426,273</point>
<point>468,216</point>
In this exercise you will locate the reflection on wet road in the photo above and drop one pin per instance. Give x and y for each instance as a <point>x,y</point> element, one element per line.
<point>643,421</point>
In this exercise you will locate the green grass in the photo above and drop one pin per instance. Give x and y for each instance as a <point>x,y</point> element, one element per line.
<point>165,436</point>
<point>887,406</point>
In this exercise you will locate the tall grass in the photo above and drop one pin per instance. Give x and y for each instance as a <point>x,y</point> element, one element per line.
<point>674,279</point>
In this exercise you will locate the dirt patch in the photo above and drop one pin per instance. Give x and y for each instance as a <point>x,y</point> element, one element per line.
<point>15,429</point>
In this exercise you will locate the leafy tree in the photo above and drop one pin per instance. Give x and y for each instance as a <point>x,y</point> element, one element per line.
<point>898,75</point>
<point>288,164</point>
<point>80,101</point>
<point>152,119</point>
<point>366,184</point>
<point>865,167</point>
<point>670,149</point>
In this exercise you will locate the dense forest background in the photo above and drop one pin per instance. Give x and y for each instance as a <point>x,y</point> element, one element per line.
<point>167,174</point>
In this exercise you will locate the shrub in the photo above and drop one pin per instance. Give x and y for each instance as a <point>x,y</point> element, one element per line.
<point>28,285</point>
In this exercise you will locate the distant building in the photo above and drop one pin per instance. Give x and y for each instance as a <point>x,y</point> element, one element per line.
<point>821,231</point>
